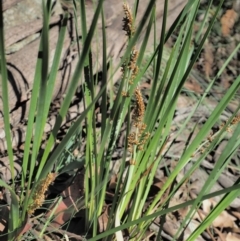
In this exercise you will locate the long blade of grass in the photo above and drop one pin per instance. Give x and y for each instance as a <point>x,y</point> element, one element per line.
<point>53,72</point>
<point>215,212</point>
<point>41,116</point>
<point>200,136</point>
<point>4,94</point>
<point>13,221</point>
<point>215,173</point>
<point>73,129</point>
<point>165,211</point>
<point>73,84</point>
<point>179,19</point>
<point>203,132</point>
<point>159,59</point>
<point>38,101</point>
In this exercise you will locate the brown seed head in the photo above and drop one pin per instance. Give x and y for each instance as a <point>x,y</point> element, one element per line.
<point>39,194</point>
<point>128,20</point>
<point>140,107</point>
<point>235,120</point>
<point>133,59</point>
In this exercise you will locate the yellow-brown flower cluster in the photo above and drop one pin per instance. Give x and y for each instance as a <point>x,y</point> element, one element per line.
<point>210,138</point>
<point>131,66</point>
<point>139,108</point>
<point>39,194</point>
<point>139,137</point>
<point>234,121</point>
<point>133,59</point>
<point>128,21</point>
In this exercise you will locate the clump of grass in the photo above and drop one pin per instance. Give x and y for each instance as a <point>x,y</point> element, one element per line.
<point>147,132</point>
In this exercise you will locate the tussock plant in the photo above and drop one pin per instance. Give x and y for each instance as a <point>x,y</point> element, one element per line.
<point>116,155</point>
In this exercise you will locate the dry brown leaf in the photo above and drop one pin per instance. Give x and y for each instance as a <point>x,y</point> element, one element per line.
<point>113,182</point>
<point>192,84</point>
<point>224,220</point>
<point>228,20</point>
<point>171,225</point>
<point>236,214</point>
<point>71,196</point>
<point>208,59</point>
<point>221,235</point>
<point>103,220</point>
<point>232,237</point>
